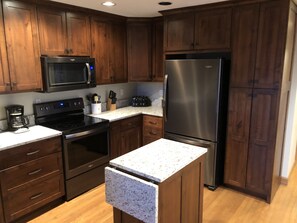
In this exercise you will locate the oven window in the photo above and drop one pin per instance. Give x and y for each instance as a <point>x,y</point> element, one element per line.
<point>67,73</point>
<point>88,149</point>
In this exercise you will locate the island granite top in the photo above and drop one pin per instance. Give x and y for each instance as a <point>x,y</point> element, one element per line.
<point>158,160</point>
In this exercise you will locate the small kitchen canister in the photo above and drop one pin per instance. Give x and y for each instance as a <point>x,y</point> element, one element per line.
<point>96,108</point>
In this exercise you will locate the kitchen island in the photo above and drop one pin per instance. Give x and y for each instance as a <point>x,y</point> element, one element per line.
<point>160,182</point>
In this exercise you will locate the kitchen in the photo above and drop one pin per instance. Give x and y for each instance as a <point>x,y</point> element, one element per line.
<point>127,90</point>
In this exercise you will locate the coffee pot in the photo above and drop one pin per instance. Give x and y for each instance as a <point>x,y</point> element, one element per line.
<point>15,117</point>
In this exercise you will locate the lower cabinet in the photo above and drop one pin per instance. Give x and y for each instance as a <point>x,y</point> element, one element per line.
<point>250,152</point>
<point>33,182</point>
<point>1,211</point>
<point>125,136</point>
<point>152,129</point>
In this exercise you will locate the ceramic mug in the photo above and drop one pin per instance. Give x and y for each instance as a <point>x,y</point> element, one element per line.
<point>96,108</point>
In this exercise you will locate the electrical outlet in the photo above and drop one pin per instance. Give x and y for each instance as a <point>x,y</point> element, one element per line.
<point>37,100</point>
<point>121,92</point>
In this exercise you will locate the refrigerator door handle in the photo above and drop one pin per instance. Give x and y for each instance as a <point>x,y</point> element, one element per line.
<point>165,85</point>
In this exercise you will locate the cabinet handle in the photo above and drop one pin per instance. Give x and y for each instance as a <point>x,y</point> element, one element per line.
<point>153,133</point>
<point>91,165</point>
<point>14,83</point>
<point>70,51</point>
<point>36,196</point>
<point>153,123</point>
<point>7,84</point>
<point>34,172</point>
<point>32,153</point>
<point>66,51</point>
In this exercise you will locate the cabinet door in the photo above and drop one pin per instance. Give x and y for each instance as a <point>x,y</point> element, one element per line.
<point>101,50</point>
<point>213,29</point>
<point>78,33</point>
<point>239,113</point>
<point>244,45</point>
<point>115,139</point>
<point>4,75</point>
<point>131,139</point>
<point>270,46</point>
<point>262,141</point>
<point>179,32</point>
<point>22,45</point>
<point>158,51</point>
<point>1,211</point>
<point>117,52</point>
<point>52,31</point>
<point>139,51</point>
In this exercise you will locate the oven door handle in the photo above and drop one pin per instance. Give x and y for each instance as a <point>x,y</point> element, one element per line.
<point>80,134</point>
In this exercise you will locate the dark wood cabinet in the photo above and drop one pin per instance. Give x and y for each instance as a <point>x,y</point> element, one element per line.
<point>258,45</point>
<point>63,33</point>
<point>31,176</point>
<point>270,45</point>
<point>262,141</point>
<point>109,50</point>
<point>139,38</point>
<point>22,46</point>
<point>125,136</point>
<point>213,29</point>
<point>1,210</point>
<point>179,32</point>
<point>198,30</point>
<point>239,114</point>
<point>158,50</point>
<point>152,129</point>
<point>4,75</point>
<point>244,45</point>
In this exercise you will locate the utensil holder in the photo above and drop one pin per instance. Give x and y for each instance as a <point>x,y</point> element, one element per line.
<point>96,108</point>
<point>111,106</point>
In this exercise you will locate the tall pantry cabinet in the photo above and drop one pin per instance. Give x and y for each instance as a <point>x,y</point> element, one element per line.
<point>258,47</point>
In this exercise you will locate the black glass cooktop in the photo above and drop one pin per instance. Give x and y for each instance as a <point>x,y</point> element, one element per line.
<point>74,124</point>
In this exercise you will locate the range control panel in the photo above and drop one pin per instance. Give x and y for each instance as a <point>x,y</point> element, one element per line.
<point>57,107</point>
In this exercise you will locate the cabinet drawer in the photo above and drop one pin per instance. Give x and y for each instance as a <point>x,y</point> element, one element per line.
<point>152,132</point>
<point>131,123</point>
<point>152,121</point>
<point>32,170</point>
<point>28,152</point>
<point>24,199</point>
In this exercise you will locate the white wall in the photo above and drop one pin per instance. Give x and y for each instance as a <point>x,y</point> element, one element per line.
<point>290,142</point>
<point>124,91</point>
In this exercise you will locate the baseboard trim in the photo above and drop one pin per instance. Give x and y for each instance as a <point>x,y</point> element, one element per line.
<point>285,180</point>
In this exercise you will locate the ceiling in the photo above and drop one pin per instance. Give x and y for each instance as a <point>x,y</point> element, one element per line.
<point>136,8</point>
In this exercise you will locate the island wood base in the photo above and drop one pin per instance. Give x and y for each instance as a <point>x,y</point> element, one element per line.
<point>180,197</point>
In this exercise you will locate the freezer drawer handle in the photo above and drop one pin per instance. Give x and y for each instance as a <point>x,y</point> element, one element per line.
<point>32,153</point>
<point>34,172</point>
<point>36,196</point>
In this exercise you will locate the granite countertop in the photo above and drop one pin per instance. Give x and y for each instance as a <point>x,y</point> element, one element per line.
<point>158,160</point>
<point>35,133</point>
<point>127,112</point>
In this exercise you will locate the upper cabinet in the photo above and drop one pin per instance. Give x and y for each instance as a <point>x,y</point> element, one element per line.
<point>63,33</point>
<point>202,30</point>
<point>4,75</point>
<point>145,49</point>
<point>22,46</point>
<point>179,32</point>
<point>139,50</point>
<point>213,29</point>
<point>109,50</point>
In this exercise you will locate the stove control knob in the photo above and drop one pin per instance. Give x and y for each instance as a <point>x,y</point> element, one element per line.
<point>46,108</point>
<point>74,104</point>
<point>41,108</point>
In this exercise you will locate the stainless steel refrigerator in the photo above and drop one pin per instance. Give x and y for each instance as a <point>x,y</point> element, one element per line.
<point>194,106</point>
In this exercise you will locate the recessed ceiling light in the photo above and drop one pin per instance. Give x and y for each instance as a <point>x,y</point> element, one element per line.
<point>109,4</point>
<point>165,3</point>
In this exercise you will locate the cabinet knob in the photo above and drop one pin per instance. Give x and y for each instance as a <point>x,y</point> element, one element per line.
<point>66,51</point>
<point>71,51</point>
<point>14,83</point>
<point>7,84</point>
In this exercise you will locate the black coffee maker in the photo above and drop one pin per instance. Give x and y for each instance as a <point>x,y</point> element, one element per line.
<point>15,117</point>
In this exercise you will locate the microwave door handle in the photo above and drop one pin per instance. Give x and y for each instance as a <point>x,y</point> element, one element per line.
<point>89,73</point>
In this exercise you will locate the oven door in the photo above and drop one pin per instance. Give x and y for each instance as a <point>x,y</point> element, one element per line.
<point>85,150</point>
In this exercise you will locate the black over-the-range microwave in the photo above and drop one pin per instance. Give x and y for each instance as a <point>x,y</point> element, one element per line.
<point>67,73</point>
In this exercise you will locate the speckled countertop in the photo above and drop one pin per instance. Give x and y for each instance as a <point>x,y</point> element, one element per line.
<point>159,160</point>
<point>35,133</point>
<point>127,112</point>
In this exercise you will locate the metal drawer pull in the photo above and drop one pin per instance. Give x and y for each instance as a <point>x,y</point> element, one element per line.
<point>32,153</point>
<point>154,123</point>
<point>36,196</point>
<point>91,165</point>
<point>153,133</point>
<point>34,172</point>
